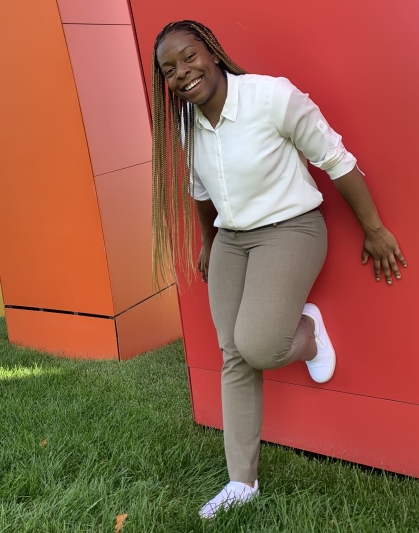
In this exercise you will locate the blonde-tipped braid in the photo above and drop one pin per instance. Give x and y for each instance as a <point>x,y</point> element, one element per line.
<point>173,163</point>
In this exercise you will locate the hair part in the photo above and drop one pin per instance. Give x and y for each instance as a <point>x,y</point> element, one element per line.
<point>173,162</point>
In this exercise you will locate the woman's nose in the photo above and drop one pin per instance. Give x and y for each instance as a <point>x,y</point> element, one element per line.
<point>182,70</point>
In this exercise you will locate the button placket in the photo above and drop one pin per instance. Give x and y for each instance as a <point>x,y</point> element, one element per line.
<point>223,188</point>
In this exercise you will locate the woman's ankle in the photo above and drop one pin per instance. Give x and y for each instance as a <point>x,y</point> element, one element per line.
<point>310,351</point>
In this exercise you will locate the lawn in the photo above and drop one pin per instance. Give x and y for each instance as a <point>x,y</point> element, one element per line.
<point>83,442</point>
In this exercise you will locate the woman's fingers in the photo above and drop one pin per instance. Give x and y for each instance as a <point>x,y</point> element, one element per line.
<point>365,256</point>
<point>203,269</point>
<point>200,267</point>
<point>387,264</point>
<point>386,269</point>
<point>203,263</point>
<point>377,269</point>
<point>400,257</point>
<point>394,266</point>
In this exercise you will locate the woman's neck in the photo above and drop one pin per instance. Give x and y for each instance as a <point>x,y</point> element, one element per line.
<point>213,107</point>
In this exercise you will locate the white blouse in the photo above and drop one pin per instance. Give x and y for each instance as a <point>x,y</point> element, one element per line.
<point>252,164</point>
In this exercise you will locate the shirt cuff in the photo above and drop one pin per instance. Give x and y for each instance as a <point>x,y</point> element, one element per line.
<point>199,192</point>
<point>337,163</point>
<point>201,196</point>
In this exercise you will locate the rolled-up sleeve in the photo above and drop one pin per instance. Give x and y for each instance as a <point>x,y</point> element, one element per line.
<point>299,119</point>
<point>197,189</point>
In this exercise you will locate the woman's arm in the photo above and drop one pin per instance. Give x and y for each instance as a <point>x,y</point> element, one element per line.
<point>206,215</point>
<point>379,242</point>
<point>299,119</point>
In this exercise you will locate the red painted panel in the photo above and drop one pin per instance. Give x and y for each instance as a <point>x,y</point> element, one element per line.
<point>52,251</point>
<point>205,386</point>
<point>200,336</point>
<point>111,93</point>
<point>379,433</point>
<point>149,325</point>
<point>125,208</point>
<point>94,11</point>
<point>65,335</point>
<point>358,61</point>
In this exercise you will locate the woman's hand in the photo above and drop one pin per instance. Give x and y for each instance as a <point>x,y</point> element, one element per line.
<point>379,242</point>
<point>203,260</point>
<point>384,248</point>
<point>206,214</point>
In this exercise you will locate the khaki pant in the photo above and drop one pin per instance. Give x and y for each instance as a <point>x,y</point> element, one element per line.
<point>259,281</point>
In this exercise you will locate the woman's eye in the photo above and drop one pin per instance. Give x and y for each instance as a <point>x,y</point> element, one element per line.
<point>169,72</point>
<point>190,57</point>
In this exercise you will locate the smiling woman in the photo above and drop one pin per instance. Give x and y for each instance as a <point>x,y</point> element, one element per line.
<point>185,53</point>
<point>192,62</point>
<point>242,140</point>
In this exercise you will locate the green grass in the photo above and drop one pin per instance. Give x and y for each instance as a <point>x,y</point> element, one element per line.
<point>120,439</point>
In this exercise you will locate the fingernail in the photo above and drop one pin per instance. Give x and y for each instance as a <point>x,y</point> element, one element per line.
<point>398,277</point>
<point>378,279</point>
<point>388,282</point>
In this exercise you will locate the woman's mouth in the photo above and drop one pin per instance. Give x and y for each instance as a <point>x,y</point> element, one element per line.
<point>193,84</point>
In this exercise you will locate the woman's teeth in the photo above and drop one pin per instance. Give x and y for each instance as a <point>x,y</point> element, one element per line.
<point>192,84</point>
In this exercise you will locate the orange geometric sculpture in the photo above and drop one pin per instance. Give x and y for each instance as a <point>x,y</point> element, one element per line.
<point>76,192</point>
<point>1,303</point>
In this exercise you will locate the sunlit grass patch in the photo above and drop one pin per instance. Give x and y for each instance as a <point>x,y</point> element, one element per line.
<point>19,372</point>
<point>84,443</point>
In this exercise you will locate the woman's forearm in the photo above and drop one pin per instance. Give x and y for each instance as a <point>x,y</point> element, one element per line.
<point>355,191</point>
<point>379,242</point>
<point>206,215</point>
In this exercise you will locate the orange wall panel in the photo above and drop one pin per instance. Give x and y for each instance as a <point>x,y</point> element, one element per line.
<point>94,11</point>
<point>72,242</point>
<point>63,334</point>
<point>150,324</point>
<point>1,303</point>
<point>110,88</point>
<point>52,251</point>
<point>125,206</point>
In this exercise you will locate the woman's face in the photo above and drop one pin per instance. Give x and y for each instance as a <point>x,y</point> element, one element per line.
<point>190,69</point>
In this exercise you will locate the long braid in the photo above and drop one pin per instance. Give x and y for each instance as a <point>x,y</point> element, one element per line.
<point>173,162</point>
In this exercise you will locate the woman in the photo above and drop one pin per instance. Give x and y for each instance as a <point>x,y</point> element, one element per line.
<point>245,140</point>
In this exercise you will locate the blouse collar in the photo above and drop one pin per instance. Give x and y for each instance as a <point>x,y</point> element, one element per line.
<point>230,105</point>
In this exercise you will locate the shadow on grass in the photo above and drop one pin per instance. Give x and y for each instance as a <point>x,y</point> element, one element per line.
<point>319,458</point>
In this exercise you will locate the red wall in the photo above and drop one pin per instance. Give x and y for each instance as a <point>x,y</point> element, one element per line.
<point>358,60</point>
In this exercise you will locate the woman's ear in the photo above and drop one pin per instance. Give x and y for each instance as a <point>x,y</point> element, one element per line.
<point>216,59</point>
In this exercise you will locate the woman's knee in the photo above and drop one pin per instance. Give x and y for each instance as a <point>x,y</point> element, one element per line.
<point>263,353</point>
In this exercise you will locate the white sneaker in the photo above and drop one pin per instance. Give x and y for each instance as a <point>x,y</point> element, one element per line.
<point>322,367</point>
<point>234,492</point>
